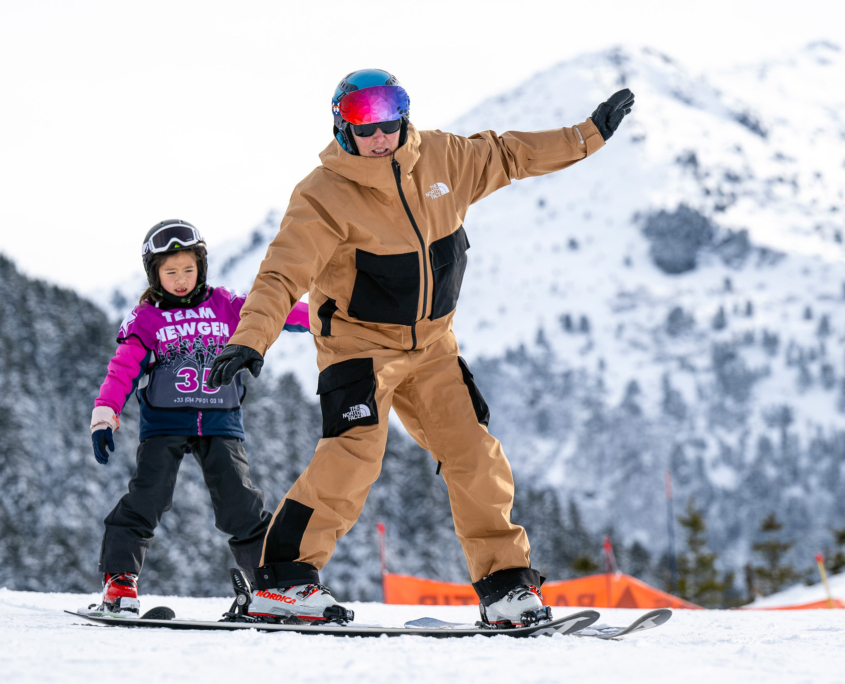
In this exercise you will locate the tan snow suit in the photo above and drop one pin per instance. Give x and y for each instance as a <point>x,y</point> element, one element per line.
<point>379,245</point>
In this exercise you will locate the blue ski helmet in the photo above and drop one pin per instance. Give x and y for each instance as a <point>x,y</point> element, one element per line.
<point>368,96</point>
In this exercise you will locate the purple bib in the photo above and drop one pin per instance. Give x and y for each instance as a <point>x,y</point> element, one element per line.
<point>185,343</point>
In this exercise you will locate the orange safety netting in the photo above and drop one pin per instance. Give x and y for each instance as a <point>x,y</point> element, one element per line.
<point>600,591</point>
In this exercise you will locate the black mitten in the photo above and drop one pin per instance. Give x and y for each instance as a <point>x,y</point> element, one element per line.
<point>609,115</point>
<point>231,361</point>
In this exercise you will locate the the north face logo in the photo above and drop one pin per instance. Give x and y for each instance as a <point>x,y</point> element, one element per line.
<point>437,190</point>
<point>357,412</point>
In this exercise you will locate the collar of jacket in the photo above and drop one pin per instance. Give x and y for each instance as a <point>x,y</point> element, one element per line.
<point>372,172</point>
<point>172,302</point>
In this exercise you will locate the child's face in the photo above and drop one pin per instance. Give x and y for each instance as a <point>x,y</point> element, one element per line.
<point>178,274</point>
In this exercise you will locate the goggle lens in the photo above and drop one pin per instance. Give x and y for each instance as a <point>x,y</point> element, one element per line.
<point>367,130</point>
<point>176,233</point>
<point>374,105</point>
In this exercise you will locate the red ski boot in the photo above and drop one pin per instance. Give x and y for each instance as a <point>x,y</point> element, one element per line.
<point>120,595</point>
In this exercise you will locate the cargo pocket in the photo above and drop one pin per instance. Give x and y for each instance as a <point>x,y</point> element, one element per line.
<point>448,263</point>
<point>482,411</point>
<point>347,396</point>
<point>387,288</point>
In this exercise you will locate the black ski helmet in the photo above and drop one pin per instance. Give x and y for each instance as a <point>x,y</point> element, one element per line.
<point>363,79</point>
<point>169,237</point>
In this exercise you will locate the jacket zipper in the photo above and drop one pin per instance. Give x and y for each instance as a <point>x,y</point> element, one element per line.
<point>397,175</point>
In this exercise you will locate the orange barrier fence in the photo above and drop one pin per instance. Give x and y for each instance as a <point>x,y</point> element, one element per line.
<point>837,603</point>
<point>613,590</point>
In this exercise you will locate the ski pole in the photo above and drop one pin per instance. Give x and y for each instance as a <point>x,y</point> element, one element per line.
<point>823,573</point>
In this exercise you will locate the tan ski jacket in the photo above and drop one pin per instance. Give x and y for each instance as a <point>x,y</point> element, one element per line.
<point>379,243</point>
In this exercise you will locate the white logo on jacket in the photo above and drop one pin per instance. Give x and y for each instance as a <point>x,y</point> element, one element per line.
<point>437,190</point>
<point>124,326</point>
<point>357,412</point>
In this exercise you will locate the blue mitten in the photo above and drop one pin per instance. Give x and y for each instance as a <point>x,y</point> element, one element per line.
<point>100,439</point>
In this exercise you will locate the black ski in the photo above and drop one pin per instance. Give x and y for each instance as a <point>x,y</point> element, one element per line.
<point>564,625</point>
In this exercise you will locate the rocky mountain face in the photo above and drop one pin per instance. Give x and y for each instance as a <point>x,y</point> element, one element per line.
<point>674,303</point>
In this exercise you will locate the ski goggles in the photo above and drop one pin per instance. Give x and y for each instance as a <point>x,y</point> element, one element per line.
<point>374,105</point>
<point>178,234</point>
<point>367,130</point>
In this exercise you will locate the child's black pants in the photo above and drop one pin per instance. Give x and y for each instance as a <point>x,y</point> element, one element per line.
<point>238,505</point>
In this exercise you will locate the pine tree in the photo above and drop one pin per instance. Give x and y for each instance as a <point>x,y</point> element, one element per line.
<point>835,558</point>
<point>585,565</point>
<point>698,579</point>
<point>582,547</point>
<point>773,575</point>
<point>638,562</point>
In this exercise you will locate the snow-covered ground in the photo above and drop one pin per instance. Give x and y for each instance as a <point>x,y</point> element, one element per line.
<point>39,643</point>
<point>800,595</point>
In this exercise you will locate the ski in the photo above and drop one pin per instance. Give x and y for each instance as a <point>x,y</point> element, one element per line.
<point>650,620</point>
<point>564,625</point>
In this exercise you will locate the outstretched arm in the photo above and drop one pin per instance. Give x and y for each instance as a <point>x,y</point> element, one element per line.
<point>492,161</point>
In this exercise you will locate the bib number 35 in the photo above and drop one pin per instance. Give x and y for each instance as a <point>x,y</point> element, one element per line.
<point>190,381</point>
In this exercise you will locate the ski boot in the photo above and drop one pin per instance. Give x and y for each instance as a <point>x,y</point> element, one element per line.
<point>299,604</point>
<point>511,598</point>
<point>120,595</point>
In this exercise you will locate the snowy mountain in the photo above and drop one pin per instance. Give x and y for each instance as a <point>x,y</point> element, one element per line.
<point>690,275</point>
<point>673,303</point>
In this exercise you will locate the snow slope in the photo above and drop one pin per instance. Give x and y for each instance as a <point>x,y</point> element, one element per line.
<point>42,644</point>
<point>800,594</point>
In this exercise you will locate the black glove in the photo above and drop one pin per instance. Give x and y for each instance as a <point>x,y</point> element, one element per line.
<point>609,115</point>
<point>100,438</point>
<point>231,361</point>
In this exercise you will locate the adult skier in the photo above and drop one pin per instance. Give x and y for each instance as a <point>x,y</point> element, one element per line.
<point>375,236</point>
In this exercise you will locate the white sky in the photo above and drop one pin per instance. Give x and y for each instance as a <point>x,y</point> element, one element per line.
<point>116,115</point>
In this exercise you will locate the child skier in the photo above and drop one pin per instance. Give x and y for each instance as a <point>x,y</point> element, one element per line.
<point>165,348</point>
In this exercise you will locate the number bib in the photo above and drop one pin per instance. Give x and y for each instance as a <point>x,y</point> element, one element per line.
<point>178,380</point>
<point>185,343</point>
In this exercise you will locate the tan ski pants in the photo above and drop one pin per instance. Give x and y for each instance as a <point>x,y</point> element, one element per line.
<point>434,395</point>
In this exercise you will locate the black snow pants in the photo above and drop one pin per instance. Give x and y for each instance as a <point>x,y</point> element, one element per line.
<point>238,505</point>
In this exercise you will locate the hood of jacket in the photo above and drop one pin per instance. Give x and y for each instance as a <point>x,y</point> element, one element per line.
<point>372,172</point>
